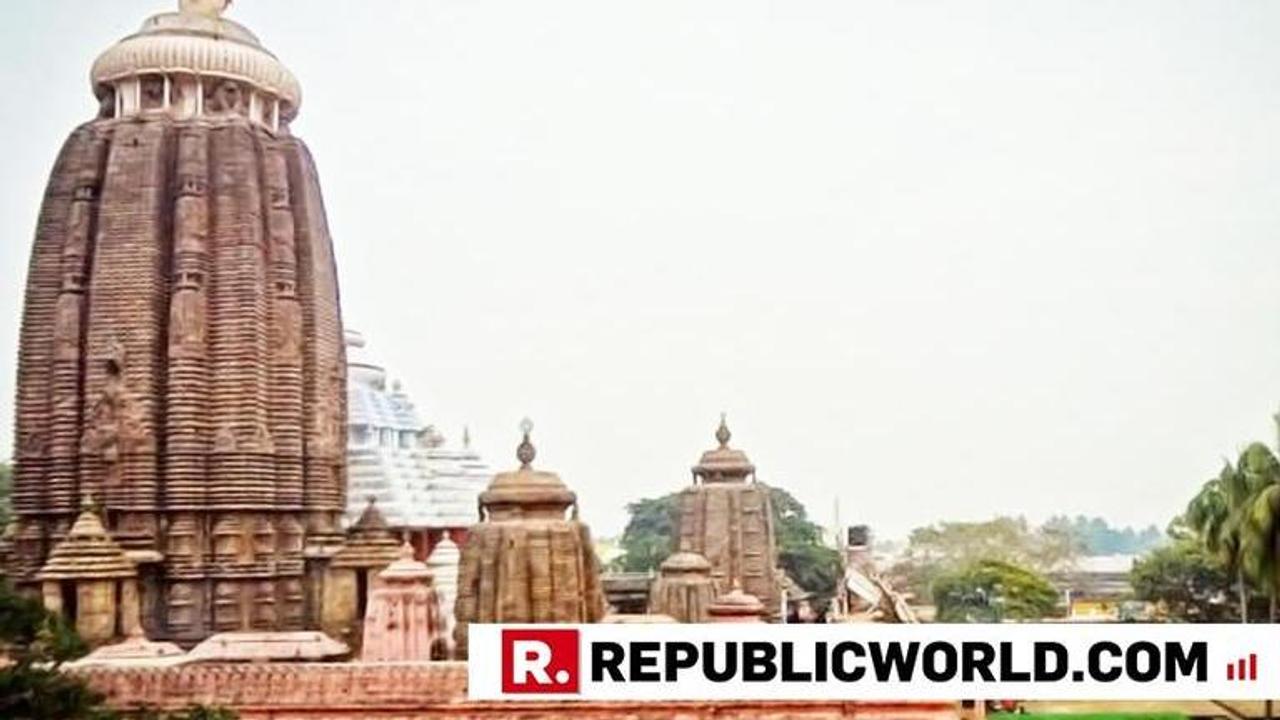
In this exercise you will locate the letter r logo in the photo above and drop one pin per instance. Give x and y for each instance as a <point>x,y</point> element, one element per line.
<point>539,661</point>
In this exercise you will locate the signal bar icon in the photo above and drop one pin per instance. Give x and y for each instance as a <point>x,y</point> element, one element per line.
<point>1244,668</point>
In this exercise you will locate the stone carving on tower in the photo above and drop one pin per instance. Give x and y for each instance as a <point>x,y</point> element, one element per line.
<point>525,562</point>
<point>727,518</point>
<point>181,355</point>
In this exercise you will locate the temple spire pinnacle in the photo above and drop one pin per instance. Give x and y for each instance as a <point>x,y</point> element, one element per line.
<point>722,433</point>
<point>525,453</point>
<point>208,8</point>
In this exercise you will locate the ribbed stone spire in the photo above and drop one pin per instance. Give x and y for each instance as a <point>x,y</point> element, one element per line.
<point>181,352</point>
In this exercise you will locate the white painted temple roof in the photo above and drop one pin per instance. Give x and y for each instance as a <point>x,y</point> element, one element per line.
<point>419,479</point>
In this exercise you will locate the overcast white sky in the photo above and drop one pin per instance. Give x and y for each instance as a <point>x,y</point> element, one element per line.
<point>941,260</point>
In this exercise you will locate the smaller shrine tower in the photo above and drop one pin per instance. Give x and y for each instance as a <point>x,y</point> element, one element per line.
<point>525,562</point>
<point>370,547</point>
<point>683,589</point>
<point>90,581</point>
<point>727,518</point>
<point>403,623</point>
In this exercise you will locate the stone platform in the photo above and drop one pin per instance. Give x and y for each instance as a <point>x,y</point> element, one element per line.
<point>424,691</point>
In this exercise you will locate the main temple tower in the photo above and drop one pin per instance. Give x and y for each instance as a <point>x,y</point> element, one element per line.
<point>181,360</point>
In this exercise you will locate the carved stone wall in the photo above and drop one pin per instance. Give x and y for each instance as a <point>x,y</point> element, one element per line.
<point>181,360</point>
<point>425,691</point>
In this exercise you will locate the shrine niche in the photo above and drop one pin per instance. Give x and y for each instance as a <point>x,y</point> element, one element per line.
<point>181,356</point>
<point>369,548</point>
<point>90,581</point>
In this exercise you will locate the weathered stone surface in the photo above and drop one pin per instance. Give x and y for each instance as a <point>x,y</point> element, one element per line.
<point>736,606</point>
<point>524,562</point>
<point>352,574</point>
<point>427,691</point>
<point>136,650</point>
<point>683,589</point>
<point>267,647</point>
<point>91,580</point>
<point>404,622</point>
<point>181,354</point>
<point>443,564</point>
<point>729,521</point>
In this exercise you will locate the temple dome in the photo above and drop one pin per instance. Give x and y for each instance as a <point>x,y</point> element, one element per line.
<point>197,41</point>
<point>723,463</point>
<point>527,490</point>
<point>685,562</point>
<point>527,487</point>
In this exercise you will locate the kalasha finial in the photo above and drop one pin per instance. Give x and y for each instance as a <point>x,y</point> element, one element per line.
<point>208,8</point>
<point>526,452</point>
<point>86,502</point>
<point>466,438</point>
<point>722,432</point>
<point>406,550</point>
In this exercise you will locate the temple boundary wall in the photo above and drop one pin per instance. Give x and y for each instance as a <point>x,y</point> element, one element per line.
<point>424,691</point>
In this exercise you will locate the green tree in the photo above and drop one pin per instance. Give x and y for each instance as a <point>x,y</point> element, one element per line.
<point>950,547</point>
<point>1260,543</point>
<point>1097,537</point>
<point>991,591</point>
<point>1235,518</point>
<point>650,537</point>
<point>1186,581</point>
<point>1211,515</point>
<point>801,551</point>
<point>36,643</point>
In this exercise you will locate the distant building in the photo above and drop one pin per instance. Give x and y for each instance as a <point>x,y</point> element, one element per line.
<point>425,488</point>
<point>1097,589</point>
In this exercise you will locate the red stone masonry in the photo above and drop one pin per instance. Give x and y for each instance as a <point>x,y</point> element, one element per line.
<point>181,362</point>
<point>426,691</point>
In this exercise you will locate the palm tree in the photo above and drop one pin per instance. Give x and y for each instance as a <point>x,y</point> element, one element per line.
<point>1215,513</point>
<point>1260,542</point>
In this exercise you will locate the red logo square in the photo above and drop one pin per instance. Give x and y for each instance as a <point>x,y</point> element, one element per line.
<point>539,661</point>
